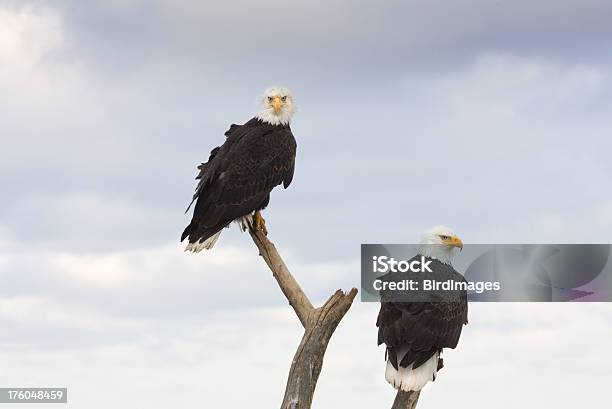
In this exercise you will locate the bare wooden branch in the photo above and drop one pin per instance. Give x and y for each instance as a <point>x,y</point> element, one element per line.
<point>308,359</point>
<point>289,286</point>
<point>406,400</point>
<point>319,325</point>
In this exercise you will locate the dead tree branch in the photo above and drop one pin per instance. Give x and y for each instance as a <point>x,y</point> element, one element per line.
<point>319,325</point>
<point>406,400</point>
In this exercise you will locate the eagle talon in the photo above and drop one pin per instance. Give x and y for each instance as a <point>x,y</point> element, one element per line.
<point>260,223</point>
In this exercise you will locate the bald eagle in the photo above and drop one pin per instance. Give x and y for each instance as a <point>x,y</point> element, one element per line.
<point>416,332</point>
<point>237,180</point>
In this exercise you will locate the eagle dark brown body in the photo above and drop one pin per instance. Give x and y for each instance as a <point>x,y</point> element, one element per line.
<point>415,333</point>
<point>239,176</point>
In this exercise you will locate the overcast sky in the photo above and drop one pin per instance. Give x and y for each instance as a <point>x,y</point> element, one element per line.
<point>490,117</point>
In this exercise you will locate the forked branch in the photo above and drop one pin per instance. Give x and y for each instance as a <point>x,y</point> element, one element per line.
<point>319,325</point>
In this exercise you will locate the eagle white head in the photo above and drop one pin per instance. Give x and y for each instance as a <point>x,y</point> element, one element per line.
<point>439,243</point>
<point>276,106</point>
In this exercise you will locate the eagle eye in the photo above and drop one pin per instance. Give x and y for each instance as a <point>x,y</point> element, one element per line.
<point>444,237</point>
<point>270,99</point>
<point>284,98</point>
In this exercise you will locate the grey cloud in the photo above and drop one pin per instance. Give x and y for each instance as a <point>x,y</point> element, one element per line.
<point>201,360</point>
<point>390,163</point>
<point>161,281</point>
<point>249,40</point>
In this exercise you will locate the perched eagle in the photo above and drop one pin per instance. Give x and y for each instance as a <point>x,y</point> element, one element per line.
<point>416,332</point>
<point>237,180</point>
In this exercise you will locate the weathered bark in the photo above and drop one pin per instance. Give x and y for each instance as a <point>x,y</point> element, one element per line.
<point>406,400</point>
<point>288,285</point>
<point>308,359</point>
<point>319,325</point>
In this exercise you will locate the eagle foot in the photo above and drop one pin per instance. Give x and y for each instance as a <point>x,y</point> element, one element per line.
<point>259,223</point>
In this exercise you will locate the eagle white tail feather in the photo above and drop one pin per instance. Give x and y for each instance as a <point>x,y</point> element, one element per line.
<point>408,379</point>
<point>209,243</point>
<point>244,221</point>
<point>206,244</point>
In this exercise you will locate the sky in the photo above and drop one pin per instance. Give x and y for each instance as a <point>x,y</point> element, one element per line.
<point>490,117</point>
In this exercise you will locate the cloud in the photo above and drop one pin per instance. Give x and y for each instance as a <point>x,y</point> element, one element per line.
<point>35,322</point>
<point>28,34</point>
<point>41,84</point>
<point>588,225</point>
<point>530,344</point>
<point>89,221</point>
<point>161,280</point>
<point>438,132</point>
<point>335,41</point>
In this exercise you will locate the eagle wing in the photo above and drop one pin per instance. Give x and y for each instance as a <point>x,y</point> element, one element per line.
<point>205,166</point>
<point>421,328</point>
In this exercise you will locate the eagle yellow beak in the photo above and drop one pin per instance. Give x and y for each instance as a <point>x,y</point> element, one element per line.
<point>454,241</point>
<point>277,104</point>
